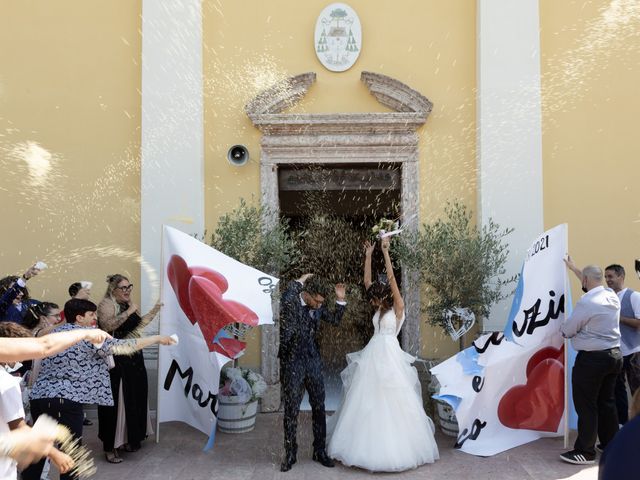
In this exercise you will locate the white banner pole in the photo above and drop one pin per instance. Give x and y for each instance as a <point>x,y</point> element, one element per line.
<point>162,267</point>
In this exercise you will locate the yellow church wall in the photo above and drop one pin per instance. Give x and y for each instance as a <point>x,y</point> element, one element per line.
<point>429,45</point>
<point>69,141</point>
<point>590,70</point>
<point>70,121</point>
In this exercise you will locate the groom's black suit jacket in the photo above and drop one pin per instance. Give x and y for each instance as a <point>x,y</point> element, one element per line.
<point>301,365</point>
<point>298,329</point>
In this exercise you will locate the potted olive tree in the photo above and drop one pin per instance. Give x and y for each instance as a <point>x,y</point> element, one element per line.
<point>461,267</point>
<point>241,234</point>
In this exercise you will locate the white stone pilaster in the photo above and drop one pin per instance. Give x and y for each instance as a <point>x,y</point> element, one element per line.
<point>172,139</point>
<point>509,137</point>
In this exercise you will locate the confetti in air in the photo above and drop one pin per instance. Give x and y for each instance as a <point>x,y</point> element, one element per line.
<point>83,463</point>
<point>38,160</point>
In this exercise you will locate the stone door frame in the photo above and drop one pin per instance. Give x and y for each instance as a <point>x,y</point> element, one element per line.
<point>344,138</point>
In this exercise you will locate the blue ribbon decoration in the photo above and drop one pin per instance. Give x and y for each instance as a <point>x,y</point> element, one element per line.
<point>515,308</point>
<point>212,437</point>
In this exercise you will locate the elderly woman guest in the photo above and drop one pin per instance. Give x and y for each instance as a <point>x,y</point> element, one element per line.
<point>41,320</point>
<point>118,315</point>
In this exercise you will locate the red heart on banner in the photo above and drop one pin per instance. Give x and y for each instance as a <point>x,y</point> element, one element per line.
<point>179,276</point>
<point>547,352</point>
<point>539,404</point>
<point>214,312</point>
<point>199,292</point>
<point>212,275</point>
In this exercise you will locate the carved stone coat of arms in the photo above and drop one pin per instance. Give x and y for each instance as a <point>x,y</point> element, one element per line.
<point>338,37</point>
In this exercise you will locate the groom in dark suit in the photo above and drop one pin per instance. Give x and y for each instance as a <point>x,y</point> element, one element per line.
<point>301,310</point>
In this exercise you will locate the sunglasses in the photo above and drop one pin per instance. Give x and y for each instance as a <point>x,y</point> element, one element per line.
<point>125,288</point>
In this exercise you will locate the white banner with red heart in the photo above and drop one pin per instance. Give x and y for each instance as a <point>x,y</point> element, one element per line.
<point>207,297</point>
<point>508,388</point>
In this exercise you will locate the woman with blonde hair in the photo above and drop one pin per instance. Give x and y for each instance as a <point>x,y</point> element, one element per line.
<point>124,424</point>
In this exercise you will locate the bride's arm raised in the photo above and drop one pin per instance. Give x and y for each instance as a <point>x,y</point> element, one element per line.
<point>368,252</point>
<point>398,302</point>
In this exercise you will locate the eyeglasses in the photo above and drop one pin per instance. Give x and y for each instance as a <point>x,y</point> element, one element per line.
<point>54,315</point>
<point>125,288</point>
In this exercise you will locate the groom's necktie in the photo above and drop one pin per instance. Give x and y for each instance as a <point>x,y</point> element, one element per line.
<point>310,313</point>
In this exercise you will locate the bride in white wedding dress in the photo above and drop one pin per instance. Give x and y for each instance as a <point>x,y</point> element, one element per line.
<point>380,424</point>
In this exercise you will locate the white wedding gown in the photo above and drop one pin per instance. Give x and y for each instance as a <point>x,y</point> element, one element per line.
<point>380,424</point>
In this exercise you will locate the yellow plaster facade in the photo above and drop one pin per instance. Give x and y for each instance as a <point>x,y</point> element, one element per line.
<point>70,120</point>
<point>590,66</point>
<point>69,142</point>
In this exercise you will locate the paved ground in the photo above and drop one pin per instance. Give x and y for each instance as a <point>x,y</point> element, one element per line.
<point>256,456</point>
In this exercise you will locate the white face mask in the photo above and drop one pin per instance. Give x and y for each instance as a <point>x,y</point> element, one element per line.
<point>13,368</point>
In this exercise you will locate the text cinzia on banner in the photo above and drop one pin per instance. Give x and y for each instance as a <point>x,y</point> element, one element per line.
<point>508,388</point>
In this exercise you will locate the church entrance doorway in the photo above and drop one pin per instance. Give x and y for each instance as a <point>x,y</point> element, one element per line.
<point>336,206</point>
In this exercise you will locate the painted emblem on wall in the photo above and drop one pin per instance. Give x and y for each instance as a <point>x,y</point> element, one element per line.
<point>338,37</point>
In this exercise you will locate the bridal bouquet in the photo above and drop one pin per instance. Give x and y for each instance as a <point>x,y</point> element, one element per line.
<point>243,384</point>
<point>384,226</point>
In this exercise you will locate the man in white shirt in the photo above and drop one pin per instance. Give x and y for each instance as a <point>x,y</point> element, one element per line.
<point>630,338</point>
<point>593,328</point>
<point>10,411</point>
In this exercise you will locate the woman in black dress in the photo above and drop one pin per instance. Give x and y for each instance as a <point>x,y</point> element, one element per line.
<point>119,316</point>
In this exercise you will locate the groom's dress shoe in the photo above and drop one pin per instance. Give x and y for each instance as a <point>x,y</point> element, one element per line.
<point>323,459</point>
<point>288,462</point>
